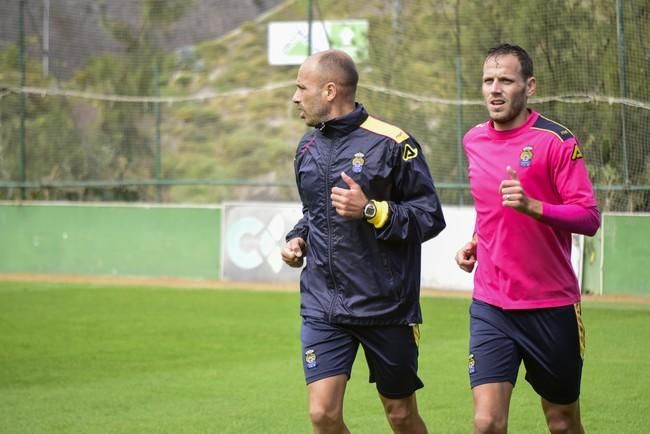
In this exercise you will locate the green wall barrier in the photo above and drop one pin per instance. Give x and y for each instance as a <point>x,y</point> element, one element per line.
<point>86,239</point>
<point>591,260</point>
<point>176,241</point>
<point>616,259</point>
<point>626,252</point>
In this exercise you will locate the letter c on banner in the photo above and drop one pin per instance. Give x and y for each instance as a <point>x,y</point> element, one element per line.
<point>242,244</point>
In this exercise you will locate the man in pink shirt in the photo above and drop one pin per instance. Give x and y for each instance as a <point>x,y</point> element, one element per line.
<point>531,190</point>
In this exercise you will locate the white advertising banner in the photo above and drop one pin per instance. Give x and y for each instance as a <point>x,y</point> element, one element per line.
<point>253,234</point>
<point>439,269</point>
<point>287,40</point>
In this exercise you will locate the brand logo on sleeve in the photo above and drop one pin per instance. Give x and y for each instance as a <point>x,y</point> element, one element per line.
<point>526,156</point>
<point>576,154</point>
<point>410,152</point>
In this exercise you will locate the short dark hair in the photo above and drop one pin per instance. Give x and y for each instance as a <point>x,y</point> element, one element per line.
<point>338,66</point>
<point>524,59</point>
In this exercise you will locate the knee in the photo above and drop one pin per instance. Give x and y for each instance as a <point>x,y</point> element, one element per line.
<point>398,418</point>
<point>564,425</point>
<point>490,424</point>
<point>558,426</point>
<point>563,419</point>
<point>401,417</point>
<point>325,418</point>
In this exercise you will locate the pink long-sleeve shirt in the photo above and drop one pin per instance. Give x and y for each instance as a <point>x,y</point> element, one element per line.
<point>523,262</point>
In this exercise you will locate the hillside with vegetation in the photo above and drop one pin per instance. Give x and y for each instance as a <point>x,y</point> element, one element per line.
<point>229,131</point>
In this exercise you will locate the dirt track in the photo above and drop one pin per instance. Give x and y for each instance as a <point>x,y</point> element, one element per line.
<point>256,286</point>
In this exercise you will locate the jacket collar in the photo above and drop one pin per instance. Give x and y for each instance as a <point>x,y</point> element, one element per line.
<point>344,125</point>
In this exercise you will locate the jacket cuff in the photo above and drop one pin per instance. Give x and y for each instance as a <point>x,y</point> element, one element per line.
<point>383,211</point>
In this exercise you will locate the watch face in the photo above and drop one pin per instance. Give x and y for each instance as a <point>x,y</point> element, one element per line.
<point>369,211</point>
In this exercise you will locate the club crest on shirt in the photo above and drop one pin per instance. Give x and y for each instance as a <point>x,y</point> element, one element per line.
<point>358,162</point>
<point>471,364</point>
<point>310,359</point>
<point>526,156</point>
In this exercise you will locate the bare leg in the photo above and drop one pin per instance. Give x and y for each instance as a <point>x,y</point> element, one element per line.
<point>491,406</point>
<point>403,415</point>
<point>326,405</point>
<point>563,419</point>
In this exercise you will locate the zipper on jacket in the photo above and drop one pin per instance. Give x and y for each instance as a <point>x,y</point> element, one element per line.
<point>328,170</point>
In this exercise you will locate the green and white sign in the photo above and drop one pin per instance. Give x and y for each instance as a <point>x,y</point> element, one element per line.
<point>288,39</point>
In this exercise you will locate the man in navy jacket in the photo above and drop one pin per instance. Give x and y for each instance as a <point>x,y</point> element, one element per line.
<point>369,202</point>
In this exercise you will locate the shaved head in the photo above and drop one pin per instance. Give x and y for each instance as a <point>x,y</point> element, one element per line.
<point>338,67</point>
<point>326,86</point>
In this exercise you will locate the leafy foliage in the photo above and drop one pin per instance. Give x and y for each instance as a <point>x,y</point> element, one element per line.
<point>423,48</point>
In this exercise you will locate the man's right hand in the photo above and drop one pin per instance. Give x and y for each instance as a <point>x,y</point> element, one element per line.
<point>293,253</point>
<point>466,257</point>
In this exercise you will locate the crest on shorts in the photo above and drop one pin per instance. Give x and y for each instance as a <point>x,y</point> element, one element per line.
<point>310,359</point>
<point>471,364</point>
<point>526,156</point>
<point>358,162</point>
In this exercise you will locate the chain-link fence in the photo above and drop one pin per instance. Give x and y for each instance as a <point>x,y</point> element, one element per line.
<point>175,101</point>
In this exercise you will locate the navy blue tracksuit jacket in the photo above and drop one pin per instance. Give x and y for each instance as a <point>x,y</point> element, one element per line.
<point>354,273</point>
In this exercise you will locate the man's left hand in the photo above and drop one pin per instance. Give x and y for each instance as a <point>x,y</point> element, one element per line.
<point>349,203</point>
<point>514,196</point>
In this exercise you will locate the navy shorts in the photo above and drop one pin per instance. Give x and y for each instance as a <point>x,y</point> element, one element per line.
<point>549,341</point>
<point>391,353</point>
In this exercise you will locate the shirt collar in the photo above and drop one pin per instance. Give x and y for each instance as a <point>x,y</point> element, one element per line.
<point>344,125</point>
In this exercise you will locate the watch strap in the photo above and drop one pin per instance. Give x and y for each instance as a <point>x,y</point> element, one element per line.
<point>382,214</point>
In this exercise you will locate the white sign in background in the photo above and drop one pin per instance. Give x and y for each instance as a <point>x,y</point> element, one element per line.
<point>439,269</point>
<point>287,40</point>
<point>253,234</point>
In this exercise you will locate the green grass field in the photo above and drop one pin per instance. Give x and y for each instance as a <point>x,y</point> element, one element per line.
<point>108,359</point>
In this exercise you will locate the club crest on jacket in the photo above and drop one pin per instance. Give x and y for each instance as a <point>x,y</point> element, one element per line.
<point>358,162</point>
